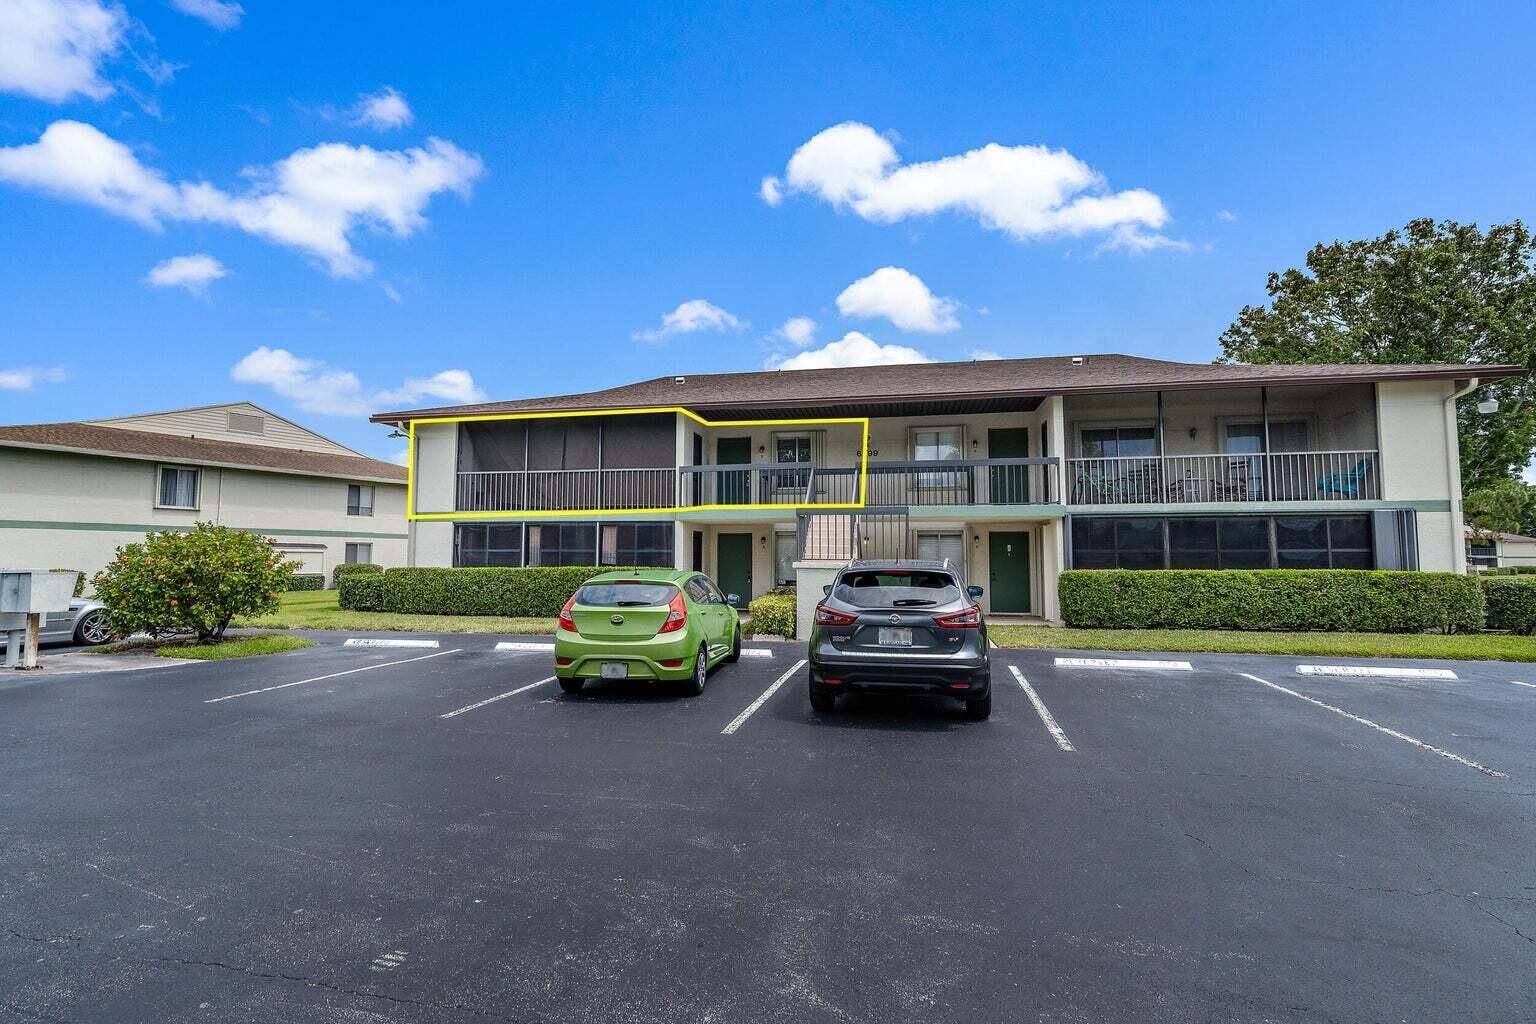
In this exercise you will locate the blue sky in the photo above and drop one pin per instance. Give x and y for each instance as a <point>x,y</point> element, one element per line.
<point>596,169</point>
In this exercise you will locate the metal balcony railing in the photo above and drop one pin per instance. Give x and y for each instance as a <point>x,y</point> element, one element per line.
<point>1187,479</point>
<point>952,482</point>
<point>561,489</point>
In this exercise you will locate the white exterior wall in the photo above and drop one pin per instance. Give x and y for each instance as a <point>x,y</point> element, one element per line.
<point>1421,462</point>
<point>101,503</point>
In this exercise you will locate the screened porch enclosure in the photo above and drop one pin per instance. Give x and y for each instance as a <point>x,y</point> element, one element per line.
<point>1314,443</point>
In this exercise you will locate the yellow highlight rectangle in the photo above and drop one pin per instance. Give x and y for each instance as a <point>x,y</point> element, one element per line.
<point>410,466</point>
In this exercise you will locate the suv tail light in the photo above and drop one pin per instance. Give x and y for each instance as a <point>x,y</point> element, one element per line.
<point>968,619</point>
<point>827,617</point>
<point>677,614</point>
<point>565,621</point>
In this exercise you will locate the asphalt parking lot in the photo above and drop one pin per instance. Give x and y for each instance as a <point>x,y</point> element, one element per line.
<point>438,834</point>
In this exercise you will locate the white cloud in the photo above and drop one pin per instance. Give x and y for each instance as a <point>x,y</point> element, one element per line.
<point>984,353</point>
<point>1133,239</point>
<point>401,457</point>
<point>771,190</point>
<point>853,349</point>
<point>217,13</point>
<point>1227,215</point>
<point>693,315</point>
<point>392,293</point>
<point>53,49</point>
<point>312,200</point>
<point>901,297</point>
<point>25,378</point>
<point>383,110</point>
<point>1025,191</point>
<point>325,390</point>
<point>799,331</point>
<point>192,272</point>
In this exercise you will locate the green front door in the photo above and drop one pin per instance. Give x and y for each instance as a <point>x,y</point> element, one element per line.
<point>733,565</point>
<point>1008,565</point>
<point>734,487</point>
<point>1010,484</point>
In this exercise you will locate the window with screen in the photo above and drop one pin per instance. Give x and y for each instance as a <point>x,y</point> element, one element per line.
<point>1224,542</point>
<point>359,553</point>
<point>1484,555</point>
<point>359,500</point>
<point>178,488</point>
<point>562,544</point>
<point>481,544</point>
<point>648,544</point>
<point>1106,543</point>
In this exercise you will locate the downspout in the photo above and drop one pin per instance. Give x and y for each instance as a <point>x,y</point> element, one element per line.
<point>1453,445</point>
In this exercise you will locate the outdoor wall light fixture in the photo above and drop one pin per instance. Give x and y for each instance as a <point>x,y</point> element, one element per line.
<point>762,449</point>
<point>1192,432</point>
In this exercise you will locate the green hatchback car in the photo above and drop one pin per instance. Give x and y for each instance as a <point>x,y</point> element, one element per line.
<point>656,624</point>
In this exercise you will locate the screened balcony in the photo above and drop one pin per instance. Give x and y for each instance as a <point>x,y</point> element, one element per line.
<point>1304,444</point>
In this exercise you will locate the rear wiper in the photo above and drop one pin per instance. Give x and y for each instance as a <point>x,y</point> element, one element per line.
<point>912,602</point>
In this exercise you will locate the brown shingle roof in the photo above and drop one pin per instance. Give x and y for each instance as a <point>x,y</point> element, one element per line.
<point>174,448</point>
<point>993,378</point>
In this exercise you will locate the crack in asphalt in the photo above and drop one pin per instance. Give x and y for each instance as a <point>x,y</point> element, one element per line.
<point>251,972</point>
<point>1438,890</point>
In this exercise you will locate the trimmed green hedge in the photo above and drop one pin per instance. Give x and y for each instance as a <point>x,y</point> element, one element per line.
<point>535,591</point>
<point>350,568</point>
<point>773,614</point>
<point>1511,603</point>
<point>1302,600</point>
<point>306,581</point>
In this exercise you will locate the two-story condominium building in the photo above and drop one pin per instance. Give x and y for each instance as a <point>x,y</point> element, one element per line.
<point>72,493</point>
<point>1015,468</point>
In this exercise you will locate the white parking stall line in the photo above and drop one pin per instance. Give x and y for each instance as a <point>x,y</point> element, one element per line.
<point>1516,682</point>
<point>1380,728</point>
<point>741,719</point>
<point>332,675</point>
<point>499,696</point>
<point>1167,666</point>
<point>359,641</point>
<point>1375,671</point>
<point>522,645</point>
<point>757,652</point>
<point>1057,733</point>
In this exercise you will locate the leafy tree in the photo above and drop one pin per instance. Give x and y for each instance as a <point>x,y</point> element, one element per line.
<point>196,582</point>
<point>1508,506</point>
<point>1429,293</point>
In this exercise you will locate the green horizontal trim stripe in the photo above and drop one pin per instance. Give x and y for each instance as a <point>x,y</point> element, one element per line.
<point>40,524</point>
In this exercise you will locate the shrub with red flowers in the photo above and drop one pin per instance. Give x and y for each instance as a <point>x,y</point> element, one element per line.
<point>193,582</point>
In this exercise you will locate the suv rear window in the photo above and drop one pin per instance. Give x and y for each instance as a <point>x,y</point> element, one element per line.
<point>896,588</point>
<point>625,594</point>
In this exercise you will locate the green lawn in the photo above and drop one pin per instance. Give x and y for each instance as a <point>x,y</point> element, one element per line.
<point>234,647</point>
<point>1472,647</point>
<point>316,609</point>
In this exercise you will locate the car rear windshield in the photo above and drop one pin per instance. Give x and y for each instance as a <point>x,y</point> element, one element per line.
<point>625,594</point>
<point>896,588</point>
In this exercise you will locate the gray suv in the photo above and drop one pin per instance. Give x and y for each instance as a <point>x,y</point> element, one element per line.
<point>901,626</point>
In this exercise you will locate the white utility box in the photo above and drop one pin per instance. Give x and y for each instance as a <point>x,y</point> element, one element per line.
<point>35,591</point>
<point>26,595</point>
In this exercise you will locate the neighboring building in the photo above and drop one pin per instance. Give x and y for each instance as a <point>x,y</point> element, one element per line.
<point>1492,550</point>
<point>72,493</point>
<point>1015,468</point>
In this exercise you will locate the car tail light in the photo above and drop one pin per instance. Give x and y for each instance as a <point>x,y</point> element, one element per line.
<point>832,682</point>
<point>968,619</point>
<point>566,622</point>
<point>562,661</point>
<point>671,663</point>
<point>677,614</point>
<point>827,617</point>
<point>959,686</point>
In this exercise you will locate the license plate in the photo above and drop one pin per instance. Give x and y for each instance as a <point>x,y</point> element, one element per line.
<point>895,636</point>
<point>615,670</point>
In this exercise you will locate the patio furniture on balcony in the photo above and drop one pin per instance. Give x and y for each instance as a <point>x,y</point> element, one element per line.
<point>1344,484</point>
